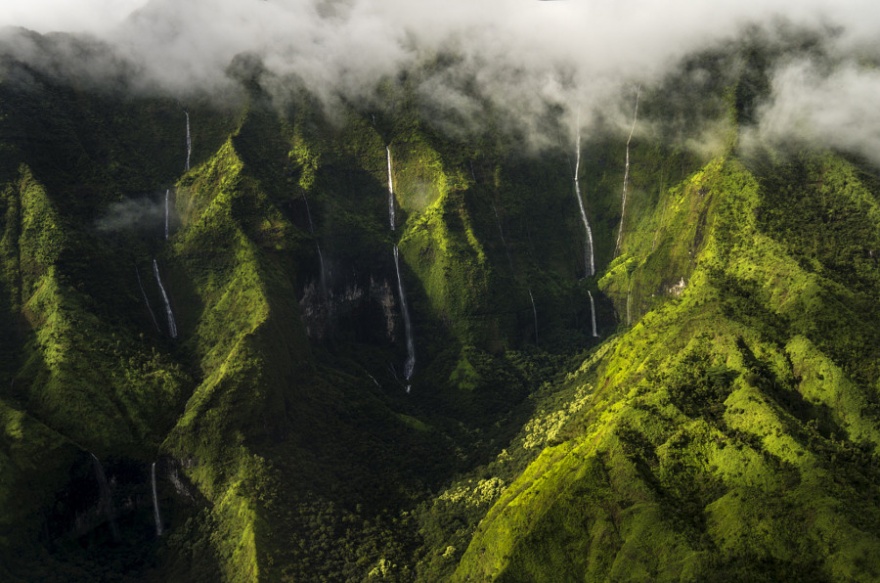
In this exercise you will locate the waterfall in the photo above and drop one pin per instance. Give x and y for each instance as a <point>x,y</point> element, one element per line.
<point>534,313</point>
<point>593,314</point>
<point>626,173</point>
<point>189,143</point>
<point>390,188</point>
<point>156,514</point>
<point>309,214</point>
<point>410,364</point>
<point>323,270</point>
<point>146,300</point>
<point>106,503</point>
<point>501,232</point>
<point>589,255</point>
<point>629,299</point>
<point>167,194</point>
<point>317,246</point>
<point>172,326</point>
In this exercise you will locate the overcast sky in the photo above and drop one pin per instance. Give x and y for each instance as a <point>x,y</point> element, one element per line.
<point>67,15</point>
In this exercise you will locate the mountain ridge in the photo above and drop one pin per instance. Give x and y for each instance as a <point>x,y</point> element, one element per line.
<point>726,414</point>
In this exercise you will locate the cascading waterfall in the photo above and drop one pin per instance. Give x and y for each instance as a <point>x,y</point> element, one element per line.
<point>534,313</point>
<point>317,246</point>
<point>589,255</point>
<point>410,364</point>
<point>626,173</point>
<point>156,514</point>
<point>167,210</point>
<point>189,143</point>
<point>146,299</point>
<point>172,326</point>
<point>106,504</point>
<point>390,188</point>
<point>593,314</point>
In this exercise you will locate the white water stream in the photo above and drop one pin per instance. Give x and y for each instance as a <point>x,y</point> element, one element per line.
<point>589,255</point>
<point>323,274</point>
<point>593,314</point>
<point>309,214</point>
<point>156,515</point>
<point>410,364</point>
<point>534,313</point>
<point>146,300</point>
<point>391,217</point>
<point>322,268</point>
<point>501,232</point>
<point>626,173</point>
<point>172,325</point>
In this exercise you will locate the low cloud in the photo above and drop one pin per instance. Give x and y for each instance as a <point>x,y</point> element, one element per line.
<point>824,107</point>
<point>141,214</point>
<point>525,57</point>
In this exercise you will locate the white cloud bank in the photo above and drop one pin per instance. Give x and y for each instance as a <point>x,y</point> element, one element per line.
<point>523,53</point>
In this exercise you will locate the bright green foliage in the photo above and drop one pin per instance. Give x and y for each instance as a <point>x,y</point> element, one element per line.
<point>712,451</point>
<point>439,243</point>
<point>727,432</point>
<point>71,373</point>
<point>250,347</point>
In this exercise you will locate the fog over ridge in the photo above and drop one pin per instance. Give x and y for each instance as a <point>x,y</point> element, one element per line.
<point>525,55</point>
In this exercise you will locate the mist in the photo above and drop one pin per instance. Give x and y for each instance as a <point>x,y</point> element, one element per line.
<point>523,56</point>
<point>819,107</point>
<point>136,214</point>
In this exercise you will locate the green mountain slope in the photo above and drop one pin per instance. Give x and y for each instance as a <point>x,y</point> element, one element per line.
<point>731,434</point>
<point>721,426</point>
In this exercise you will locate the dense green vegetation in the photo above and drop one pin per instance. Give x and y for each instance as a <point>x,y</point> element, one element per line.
<point>723,427</point>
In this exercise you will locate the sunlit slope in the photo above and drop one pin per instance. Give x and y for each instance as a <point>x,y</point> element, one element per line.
<point>732,431</point>
<point>257,423</point>
<point>726,432</point>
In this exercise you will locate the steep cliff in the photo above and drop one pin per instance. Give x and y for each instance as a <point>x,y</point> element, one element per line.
<point>358,345</point>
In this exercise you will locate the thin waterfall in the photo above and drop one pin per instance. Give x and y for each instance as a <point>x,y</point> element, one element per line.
<point>629,299</point>
<point>106,503</point>
<point>156,514</point>
<point>323,274</point>
<point>172,326</point>
<point>167,210</point>
<point>323,270</point>
<point>189,143</point>
<point>501,232</point>
<point>589,255</point>
<point>146,300</point>
<point>410,364</point>
<point>391,218</point>
<point>309,214</point>
<point>626,173</point>
<point>534,313</point>
<point>593,314</point>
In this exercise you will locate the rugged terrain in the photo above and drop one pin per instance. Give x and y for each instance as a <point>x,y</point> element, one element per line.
<point>720,424</point>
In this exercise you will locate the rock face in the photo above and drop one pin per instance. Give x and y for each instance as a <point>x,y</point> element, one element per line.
<point>701,408</point>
